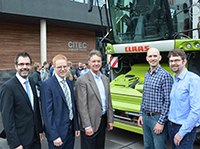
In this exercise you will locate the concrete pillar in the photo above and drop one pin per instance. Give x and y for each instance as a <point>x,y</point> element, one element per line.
<point>43,41</point>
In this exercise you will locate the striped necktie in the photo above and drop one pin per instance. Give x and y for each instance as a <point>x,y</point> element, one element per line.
<point>67,98</point>
<point>28,92</point>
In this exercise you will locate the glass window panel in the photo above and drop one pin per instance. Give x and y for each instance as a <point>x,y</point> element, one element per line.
<point>145,20</point>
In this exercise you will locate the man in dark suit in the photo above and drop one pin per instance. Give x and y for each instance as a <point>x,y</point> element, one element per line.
<point>107,70</point>
<point>58,107</point>
<point>20,108</point>
<point>94,104</point>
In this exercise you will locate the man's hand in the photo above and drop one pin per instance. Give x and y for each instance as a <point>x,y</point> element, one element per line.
<point>75,77</point>
<point>41,136</point>
<point>58,142</point>
<point>140,121</point>
<point>110,126</point>
<point>19,147</point>
<point>89,131</point>
<point>158,128</point>
<point>177,139</point>
<point>77,133</point>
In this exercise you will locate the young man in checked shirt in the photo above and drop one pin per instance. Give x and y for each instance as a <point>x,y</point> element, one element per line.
<point>155,102</point>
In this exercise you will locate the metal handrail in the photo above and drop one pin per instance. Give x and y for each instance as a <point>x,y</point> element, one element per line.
<point>8,69</point>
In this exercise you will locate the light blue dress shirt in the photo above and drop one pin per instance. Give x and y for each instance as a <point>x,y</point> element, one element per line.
<point>84,71</point>
<point>101,89</point>
<point>185,102</point>
<point>22,80</point>
<point>102,92</point>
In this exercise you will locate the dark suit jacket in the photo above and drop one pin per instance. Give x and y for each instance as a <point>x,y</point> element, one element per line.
<point>36,79</point>
<point>89,103</point>
<point>78,72</point>
<point>20,121</point>
<point>55,110</point>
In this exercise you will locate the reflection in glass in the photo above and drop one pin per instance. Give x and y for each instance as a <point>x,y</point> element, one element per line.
<point>144,20</point>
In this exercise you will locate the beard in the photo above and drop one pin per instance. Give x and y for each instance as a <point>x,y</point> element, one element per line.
<point>24,75</point>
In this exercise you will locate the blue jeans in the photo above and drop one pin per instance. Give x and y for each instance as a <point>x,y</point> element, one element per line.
<point>187,141</point>
<point>152,140</point>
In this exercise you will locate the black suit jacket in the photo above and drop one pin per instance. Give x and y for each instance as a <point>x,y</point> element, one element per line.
<point>21,123</point>
<point>78,72</point>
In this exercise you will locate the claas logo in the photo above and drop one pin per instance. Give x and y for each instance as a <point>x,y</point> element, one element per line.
<point>137,49</point>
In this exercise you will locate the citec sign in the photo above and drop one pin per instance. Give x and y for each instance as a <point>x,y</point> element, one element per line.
<point>77,46</point>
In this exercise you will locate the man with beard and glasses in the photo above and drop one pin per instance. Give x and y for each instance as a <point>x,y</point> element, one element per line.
<point>20,108</point>
<point>184,111</point>
<point>155,102</point>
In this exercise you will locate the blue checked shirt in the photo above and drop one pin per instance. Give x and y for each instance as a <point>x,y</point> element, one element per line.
<point>156,93</point>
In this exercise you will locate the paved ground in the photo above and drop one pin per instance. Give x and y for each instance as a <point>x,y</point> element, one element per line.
<point>116,139</point>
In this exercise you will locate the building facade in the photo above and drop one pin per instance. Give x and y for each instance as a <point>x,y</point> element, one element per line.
<point>46,28</point>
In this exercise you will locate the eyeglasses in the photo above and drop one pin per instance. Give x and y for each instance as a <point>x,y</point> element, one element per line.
<point>22,64</point>
<point>61,67</point>
<point>96,61</point>
<point>175,61</point>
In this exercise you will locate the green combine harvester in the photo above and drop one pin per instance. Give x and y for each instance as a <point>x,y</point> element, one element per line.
<point>135,26</point>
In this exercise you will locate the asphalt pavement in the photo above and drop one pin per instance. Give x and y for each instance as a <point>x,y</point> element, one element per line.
<point>115,139</point>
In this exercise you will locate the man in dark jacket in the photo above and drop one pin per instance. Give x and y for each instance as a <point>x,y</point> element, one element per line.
<point>20,108</point>
<point>78,70</point>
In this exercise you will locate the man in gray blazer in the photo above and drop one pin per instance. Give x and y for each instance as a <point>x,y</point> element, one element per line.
<point>94,105</point>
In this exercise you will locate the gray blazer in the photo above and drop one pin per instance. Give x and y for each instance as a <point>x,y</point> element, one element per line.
<point>89,103</point>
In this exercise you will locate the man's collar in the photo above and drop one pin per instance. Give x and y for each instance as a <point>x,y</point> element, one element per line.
<point>21,79</point>
<point>182,74</point>
<point>155,70</point>
<point>59,78</point>
<point>94,75</point>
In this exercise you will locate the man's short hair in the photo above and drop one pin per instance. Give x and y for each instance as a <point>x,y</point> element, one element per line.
<point>94,52</point>
<point>58,57</point>
<point>177,52</point>
<point>23,54</point>
<point>69,63</point>
<point>45,62</point>
<point>36,65</point>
